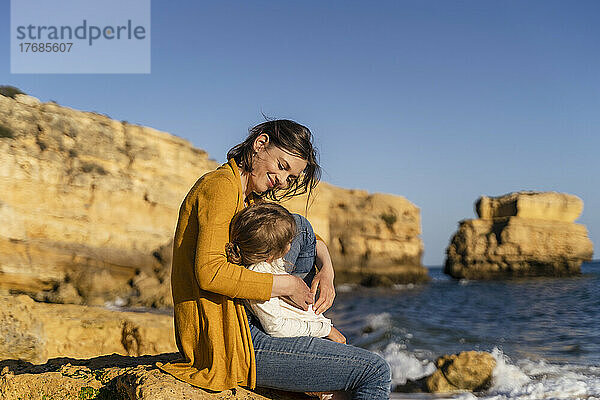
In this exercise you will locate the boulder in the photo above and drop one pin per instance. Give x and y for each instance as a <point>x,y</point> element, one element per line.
<point>520,234</point>
<point>469,370</point>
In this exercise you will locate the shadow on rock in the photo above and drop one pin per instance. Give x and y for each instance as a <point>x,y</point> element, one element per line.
<point>112,377</point>
<point>18,367</point>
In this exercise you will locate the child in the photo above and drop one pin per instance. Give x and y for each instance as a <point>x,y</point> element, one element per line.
<point>260,236</point>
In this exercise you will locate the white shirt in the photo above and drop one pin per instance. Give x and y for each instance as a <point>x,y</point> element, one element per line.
<point>281,319</point>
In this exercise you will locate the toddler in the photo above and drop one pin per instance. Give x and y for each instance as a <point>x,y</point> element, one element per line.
<point>260,236</point>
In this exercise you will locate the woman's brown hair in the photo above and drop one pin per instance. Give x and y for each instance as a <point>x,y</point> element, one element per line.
<point>259,232</point>
<point>292,138</point>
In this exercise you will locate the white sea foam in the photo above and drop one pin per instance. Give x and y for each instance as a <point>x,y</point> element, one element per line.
<point>406,286</point>
<point>345,287</point>
<point>506,377</point>
<point>465,396</point>
<point>405,366</point>
<point>541,380</point>
<point>379,321</point>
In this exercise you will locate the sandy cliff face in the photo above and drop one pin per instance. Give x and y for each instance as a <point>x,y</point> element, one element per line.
<point>372,238</point>
<point>85,200</point>
<point>520,234</point>
<point>88,207</point>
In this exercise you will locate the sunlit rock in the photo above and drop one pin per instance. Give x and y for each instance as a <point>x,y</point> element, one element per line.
<point>520,234</point>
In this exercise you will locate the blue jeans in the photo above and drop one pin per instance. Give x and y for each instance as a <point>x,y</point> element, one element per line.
<point>309,364</point>
<point>303,250</point>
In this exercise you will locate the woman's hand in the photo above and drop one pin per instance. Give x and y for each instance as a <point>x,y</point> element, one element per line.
<point>336,336</point>
<point>292,290</point>
<point>323,280</point>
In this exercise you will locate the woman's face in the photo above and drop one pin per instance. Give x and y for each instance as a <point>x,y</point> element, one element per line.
<point>272,167</point>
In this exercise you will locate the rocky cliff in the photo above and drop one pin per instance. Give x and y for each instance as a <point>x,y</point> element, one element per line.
<point>373,239</point>
<point>88,207</point>
<point>520,234</point>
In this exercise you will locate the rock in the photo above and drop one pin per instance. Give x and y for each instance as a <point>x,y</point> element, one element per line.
<point>89,206</point>
<point>35,332</point>
<point>88,199</point>
<point>65,293</point>
<point>469,370</point>
<point>49,385</point>
<point>22,334</point>
<point>373,239</point>
<point>111,378</point>
<point>27,100</point>
<point>548,206</point>
<point>145,383</point>
<point>520,234</point>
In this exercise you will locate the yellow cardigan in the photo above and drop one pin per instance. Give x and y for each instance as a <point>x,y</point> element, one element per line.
<point>211,326</point>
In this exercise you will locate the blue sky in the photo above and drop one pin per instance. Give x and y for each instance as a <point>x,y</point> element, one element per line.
<point>438,101</point>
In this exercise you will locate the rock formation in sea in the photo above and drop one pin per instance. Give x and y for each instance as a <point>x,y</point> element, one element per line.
<point>88,207</point>
<point>520,234</point>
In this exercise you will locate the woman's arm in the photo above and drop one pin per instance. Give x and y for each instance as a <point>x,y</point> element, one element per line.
<point>323,280</point>
<point>215,204</point>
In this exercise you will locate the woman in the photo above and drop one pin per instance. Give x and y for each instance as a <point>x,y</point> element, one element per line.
<point>220,349</point>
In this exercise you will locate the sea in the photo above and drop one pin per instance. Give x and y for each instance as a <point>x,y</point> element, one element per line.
<point>543,332</point>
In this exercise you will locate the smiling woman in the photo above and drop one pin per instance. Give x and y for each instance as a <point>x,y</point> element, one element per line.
<point>220,349</point>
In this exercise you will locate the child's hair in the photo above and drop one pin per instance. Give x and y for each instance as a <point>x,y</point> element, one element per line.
<point>259,232</point>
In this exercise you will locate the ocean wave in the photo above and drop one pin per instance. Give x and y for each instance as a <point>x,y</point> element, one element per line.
<point>542,380</point>
<point>525,380</point>
<point>405,365</point>
<point>378,321</point>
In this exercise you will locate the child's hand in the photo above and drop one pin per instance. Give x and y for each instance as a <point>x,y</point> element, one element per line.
<point>336,336</point>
